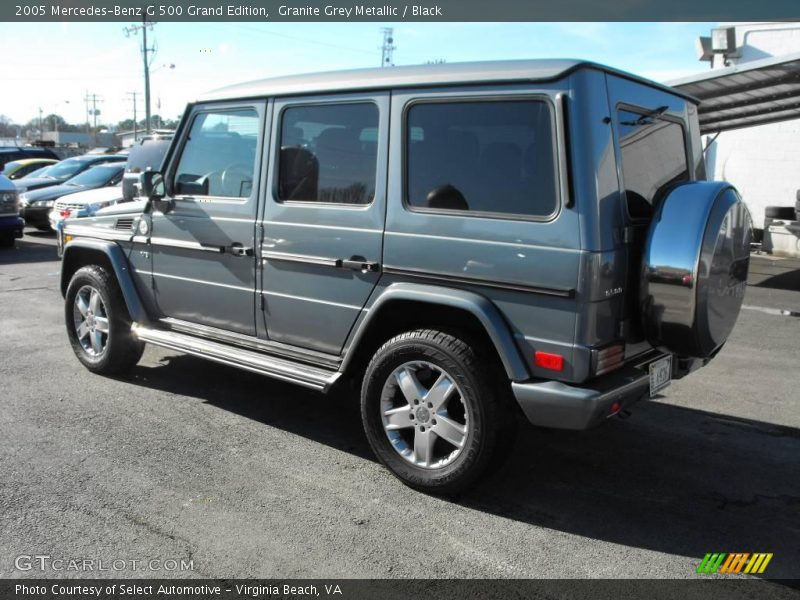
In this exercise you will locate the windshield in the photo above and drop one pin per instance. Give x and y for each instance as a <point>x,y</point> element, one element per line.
<point>10,167</point>
<point>38,172</point>
<point>96,176</point>
<point>66,168</point>
<point>148,155</point>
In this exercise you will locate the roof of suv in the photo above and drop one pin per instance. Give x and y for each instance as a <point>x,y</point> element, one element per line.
<point>30,151</point>
<point>510,71</point>
<point>99,158</point>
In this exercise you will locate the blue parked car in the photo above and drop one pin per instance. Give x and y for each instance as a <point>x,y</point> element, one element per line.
<point>11,224</point>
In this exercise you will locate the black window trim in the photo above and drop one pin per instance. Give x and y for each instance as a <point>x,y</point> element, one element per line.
<point>647,112</point>
<point>275,163</point>
<point>557,139</point>
<point>200,109</point>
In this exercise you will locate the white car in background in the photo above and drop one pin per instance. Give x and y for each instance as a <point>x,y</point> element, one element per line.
<point>84,204</point>
<point>143,156</point>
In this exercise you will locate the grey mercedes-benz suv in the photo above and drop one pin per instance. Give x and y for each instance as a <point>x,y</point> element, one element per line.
<point>467,243</point>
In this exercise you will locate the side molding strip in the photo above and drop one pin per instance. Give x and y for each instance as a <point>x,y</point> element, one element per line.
<point>518,287</point>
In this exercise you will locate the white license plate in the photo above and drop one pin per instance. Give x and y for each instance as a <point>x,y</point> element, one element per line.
<point>660,374</point>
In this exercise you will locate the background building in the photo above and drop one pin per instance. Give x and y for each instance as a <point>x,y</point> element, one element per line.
<point>763,161</point>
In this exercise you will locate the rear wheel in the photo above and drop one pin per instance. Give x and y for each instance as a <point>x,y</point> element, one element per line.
<point>435,413</point>
<point>98,324</point>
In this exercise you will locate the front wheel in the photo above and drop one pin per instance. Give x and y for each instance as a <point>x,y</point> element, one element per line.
<point>435,413</point>
<point>98,324</point>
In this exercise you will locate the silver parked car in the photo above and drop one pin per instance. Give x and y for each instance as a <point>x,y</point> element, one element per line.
<point>467,243</point>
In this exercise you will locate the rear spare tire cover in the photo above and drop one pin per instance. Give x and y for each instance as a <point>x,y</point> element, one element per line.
<point>694,271</point>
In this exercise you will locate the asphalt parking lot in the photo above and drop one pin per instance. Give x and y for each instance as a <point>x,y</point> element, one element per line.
<point>249,477</point>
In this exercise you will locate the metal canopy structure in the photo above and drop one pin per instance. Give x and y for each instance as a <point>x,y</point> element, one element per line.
<point>746,95</point>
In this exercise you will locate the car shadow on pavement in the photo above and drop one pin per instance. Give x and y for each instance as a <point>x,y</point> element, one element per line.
<point>783,274</point>
<point>668,479</point>
<point>333,419</point>
<point>33,247</point>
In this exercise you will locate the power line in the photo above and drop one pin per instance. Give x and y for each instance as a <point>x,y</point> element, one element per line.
<point>304,40</point>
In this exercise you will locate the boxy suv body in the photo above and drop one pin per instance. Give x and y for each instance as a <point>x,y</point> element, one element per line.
<point>466,242</point>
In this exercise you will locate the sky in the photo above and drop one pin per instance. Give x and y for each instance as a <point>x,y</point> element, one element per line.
<point>53,65</point>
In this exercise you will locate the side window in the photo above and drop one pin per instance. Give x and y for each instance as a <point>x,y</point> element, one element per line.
<point>496,157</point>
<point>653,157</point>
<point>219,156</point>
<point>329,153</point>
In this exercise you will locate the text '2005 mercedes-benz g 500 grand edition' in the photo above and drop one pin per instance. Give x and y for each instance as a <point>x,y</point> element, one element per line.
<point>466,243</point>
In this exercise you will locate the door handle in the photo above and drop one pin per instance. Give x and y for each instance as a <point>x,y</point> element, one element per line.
<point>238,250</point>
<point>358,263</point>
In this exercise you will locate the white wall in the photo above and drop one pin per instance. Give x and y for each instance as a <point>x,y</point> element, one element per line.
<point>762,162</point>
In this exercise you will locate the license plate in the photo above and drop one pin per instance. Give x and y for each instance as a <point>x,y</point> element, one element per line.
<point>660,374</point>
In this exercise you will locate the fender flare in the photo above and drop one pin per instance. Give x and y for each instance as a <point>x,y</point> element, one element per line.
<point>479,306</point>
<point>116,258</point>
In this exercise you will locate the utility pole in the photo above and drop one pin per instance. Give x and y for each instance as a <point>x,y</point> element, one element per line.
<point>94,99</point>
<point>135,125</point>
<point>41,126</point>
<point>146,50</point>
<point>388,47</point>
<point>86,102</point>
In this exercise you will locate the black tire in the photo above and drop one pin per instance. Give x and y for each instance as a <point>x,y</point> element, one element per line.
<point>7,241</point>
<point>121,349</point>
<point>784,213</point>
<point>481,394</point>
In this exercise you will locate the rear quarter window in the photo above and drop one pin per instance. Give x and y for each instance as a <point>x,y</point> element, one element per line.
<point>482,157</point>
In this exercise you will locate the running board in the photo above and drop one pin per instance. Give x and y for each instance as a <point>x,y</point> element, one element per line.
<point>279,368</point>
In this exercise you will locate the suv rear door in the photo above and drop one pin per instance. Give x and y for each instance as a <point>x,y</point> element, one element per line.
<point>323,216</point>
<point>651,144</point>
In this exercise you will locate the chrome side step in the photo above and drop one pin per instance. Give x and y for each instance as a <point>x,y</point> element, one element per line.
<point>286,370</point>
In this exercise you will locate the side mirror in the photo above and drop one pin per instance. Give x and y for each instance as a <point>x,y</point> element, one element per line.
<point>153,186</point>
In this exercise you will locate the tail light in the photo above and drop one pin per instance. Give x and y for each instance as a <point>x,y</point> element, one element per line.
<point>608,358</point>
<point>65,213</point>
<point>548,360</point>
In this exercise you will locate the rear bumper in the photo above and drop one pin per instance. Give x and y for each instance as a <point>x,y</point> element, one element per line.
<point>12,226</point>
<point>563,406</point>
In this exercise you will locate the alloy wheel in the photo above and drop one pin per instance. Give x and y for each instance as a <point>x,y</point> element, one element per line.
<point>424,414</point>
<point>91,321</point>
